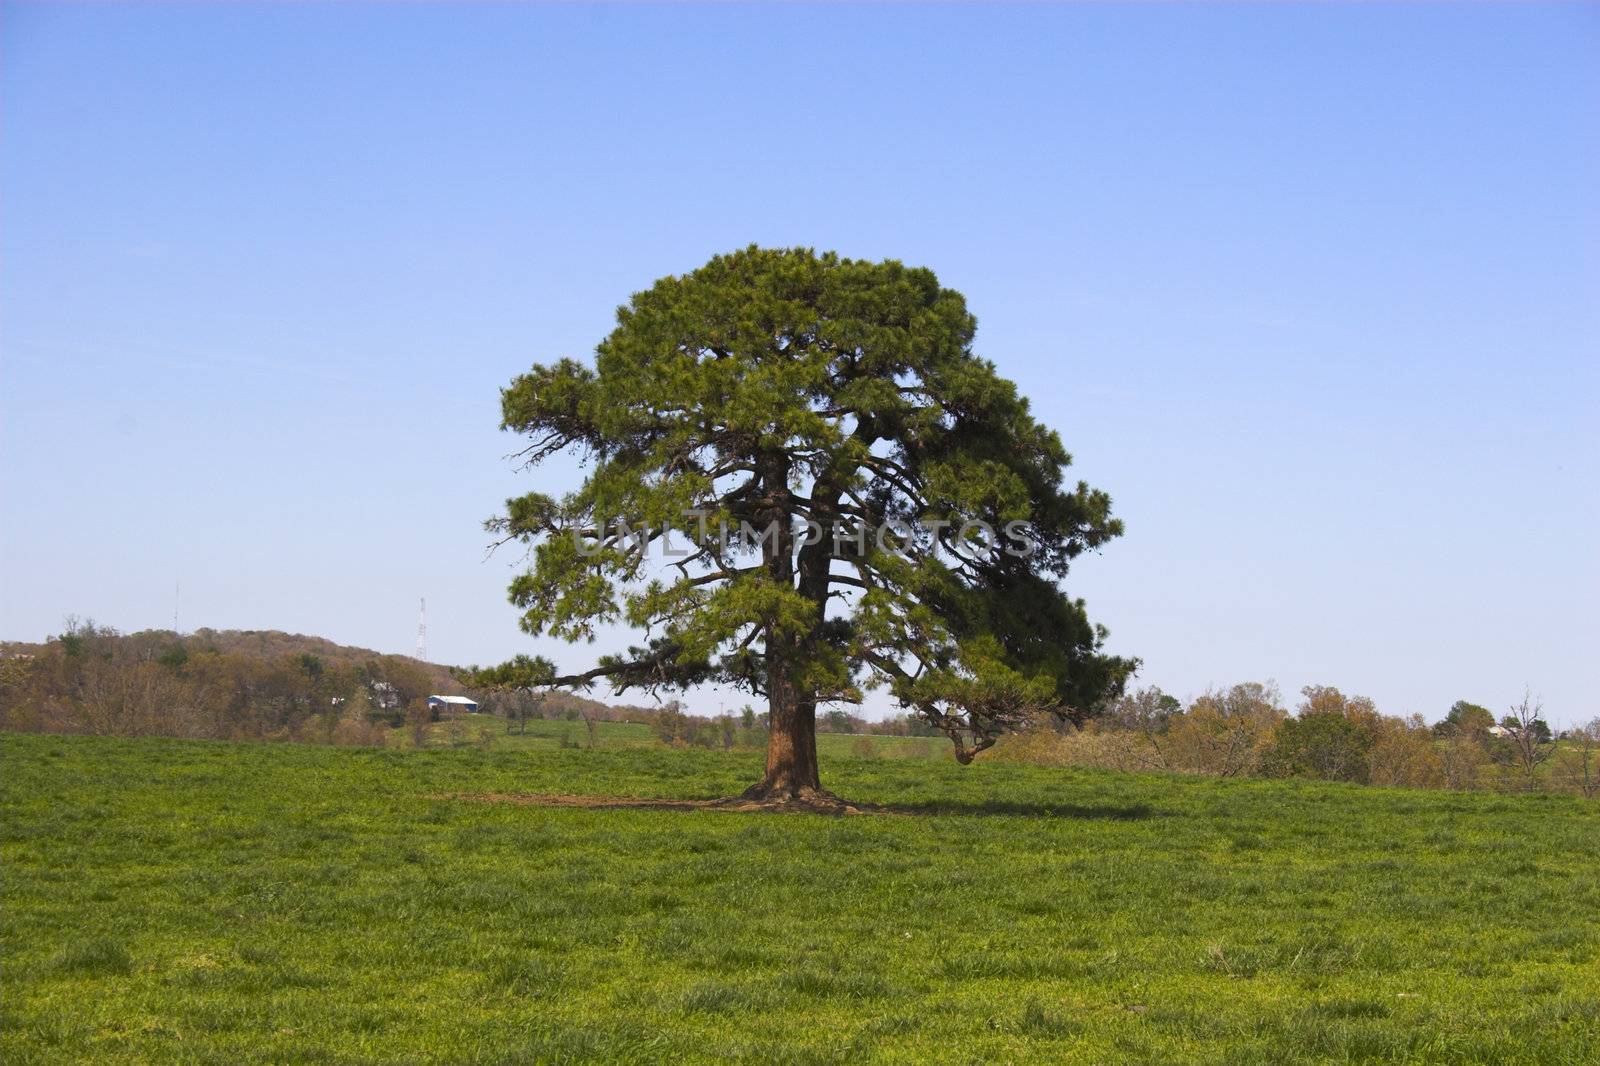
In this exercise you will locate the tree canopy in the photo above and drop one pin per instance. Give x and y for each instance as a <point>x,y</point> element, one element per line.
<point>1465,718</point>
<point>803,482</point>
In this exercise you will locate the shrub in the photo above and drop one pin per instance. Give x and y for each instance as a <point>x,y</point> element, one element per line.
<point>1405,754</point>
<point>1321,744</point>
<point>1224,733</point>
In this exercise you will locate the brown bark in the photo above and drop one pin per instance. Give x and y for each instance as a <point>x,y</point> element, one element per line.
<point>791,740</point>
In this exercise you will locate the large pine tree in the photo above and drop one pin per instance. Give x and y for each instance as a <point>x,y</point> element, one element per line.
<point>803,482</point>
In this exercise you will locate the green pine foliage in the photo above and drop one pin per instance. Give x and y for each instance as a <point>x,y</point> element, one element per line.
<point>771,388</point>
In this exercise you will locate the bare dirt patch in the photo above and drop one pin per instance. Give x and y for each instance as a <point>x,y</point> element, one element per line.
<point>734,804</point>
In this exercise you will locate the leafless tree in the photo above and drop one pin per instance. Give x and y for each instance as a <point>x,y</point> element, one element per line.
<point>1530,739</point>
<point>522,704</point>
<point>1579,761</point>
<point>1144,715</point>
<point>1462,755</point>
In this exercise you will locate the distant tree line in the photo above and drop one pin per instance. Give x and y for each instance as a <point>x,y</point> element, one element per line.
<point>217,685</point>
<point>272,686</point>
<point>1245,731</point>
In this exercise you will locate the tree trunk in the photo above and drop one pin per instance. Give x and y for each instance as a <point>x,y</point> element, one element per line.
<point>791,775</point>
<point>791,739</point>
<point>791,751</point>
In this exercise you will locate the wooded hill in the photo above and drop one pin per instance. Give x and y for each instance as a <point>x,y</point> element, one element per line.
<point>240,684</point>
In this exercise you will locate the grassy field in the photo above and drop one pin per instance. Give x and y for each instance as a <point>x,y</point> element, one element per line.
<point>175,901</point>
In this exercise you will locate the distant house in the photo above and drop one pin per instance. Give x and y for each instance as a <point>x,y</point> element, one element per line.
<point>1501,731</point>
<point>443,703</point>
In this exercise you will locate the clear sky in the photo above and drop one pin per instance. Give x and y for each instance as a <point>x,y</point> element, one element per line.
<point>1312,291</point>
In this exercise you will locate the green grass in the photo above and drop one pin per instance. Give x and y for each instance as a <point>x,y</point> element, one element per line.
<point>175,901</point>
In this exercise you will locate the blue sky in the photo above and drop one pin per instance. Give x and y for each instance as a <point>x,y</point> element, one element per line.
<point>1310,290</point>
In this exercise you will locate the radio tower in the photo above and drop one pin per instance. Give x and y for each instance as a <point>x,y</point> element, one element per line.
<point>422,632</point>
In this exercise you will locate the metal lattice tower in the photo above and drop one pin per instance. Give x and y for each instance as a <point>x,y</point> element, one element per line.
<point>422,632</point>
